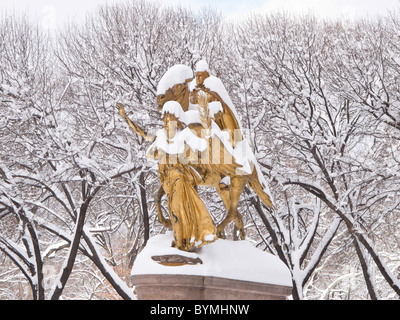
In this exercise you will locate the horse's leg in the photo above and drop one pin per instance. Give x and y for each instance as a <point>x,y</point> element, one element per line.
<point>236,188</point>
<point>224,192</point>
<point>239,224</point>
<point>237,185</point>
<point>157,199</point>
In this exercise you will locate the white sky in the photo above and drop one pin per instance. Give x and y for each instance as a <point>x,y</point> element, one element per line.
<point>54,13</point>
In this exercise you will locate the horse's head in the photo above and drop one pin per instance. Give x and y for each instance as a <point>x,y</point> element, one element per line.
<point>179,92</point>
<point>174,86</point>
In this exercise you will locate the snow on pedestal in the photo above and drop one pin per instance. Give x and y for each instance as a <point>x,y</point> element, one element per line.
<point>233,266</point>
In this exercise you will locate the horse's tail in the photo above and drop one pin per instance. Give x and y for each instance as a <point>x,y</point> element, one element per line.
<point>261,191</point>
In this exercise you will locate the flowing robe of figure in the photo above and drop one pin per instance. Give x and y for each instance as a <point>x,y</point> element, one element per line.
<point>192,223</point>
<point>174,149</point>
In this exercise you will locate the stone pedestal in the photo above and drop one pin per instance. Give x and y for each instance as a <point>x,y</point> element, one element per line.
<point>189,287</point>
<point>223,270</point>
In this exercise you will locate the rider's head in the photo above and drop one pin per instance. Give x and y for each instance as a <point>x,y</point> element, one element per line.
<point>201,76</point>
<point>202,72</point>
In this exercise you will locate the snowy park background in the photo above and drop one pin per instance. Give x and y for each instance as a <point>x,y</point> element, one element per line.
<point>319,98</point>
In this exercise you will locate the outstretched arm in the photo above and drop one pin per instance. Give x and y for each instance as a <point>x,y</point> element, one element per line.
<point>138,130</point>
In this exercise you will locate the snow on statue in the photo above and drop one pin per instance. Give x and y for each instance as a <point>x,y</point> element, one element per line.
<point>201,144</point>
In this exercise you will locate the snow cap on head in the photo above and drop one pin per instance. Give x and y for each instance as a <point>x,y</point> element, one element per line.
<point>172,107</point>
<point>178,73</point>
<point>201,66</point>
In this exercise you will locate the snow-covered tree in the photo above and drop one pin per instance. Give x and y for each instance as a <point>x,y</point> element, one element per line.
<point>315,135</point>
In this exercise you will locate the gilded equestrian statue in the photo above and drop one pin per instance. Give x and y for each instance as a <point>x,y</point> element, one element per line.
<point>211,173</point>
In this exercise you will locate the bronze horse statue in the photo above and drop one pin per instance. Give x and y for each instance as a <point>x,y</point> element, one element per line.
<point>212,174</point>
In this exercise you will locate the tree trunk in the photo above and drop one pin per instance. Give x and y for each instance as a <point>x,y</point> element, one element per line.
<point>63,277</point>
<point>145,212</point>
<point>365,269</point>
<point>124,292</point>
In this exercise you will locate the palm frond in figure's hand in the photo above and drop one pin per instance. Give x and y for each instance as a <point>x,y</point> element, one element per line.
<point>121,109</point>
<point>204,112</point>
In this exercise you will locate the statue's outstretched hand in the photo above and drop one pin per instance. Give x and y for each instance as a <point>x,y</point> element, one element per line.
<point>121,110</point>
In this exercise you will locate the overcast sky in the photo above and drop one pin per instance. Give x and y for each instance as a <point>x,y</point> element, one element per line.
<point>54,13</point>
